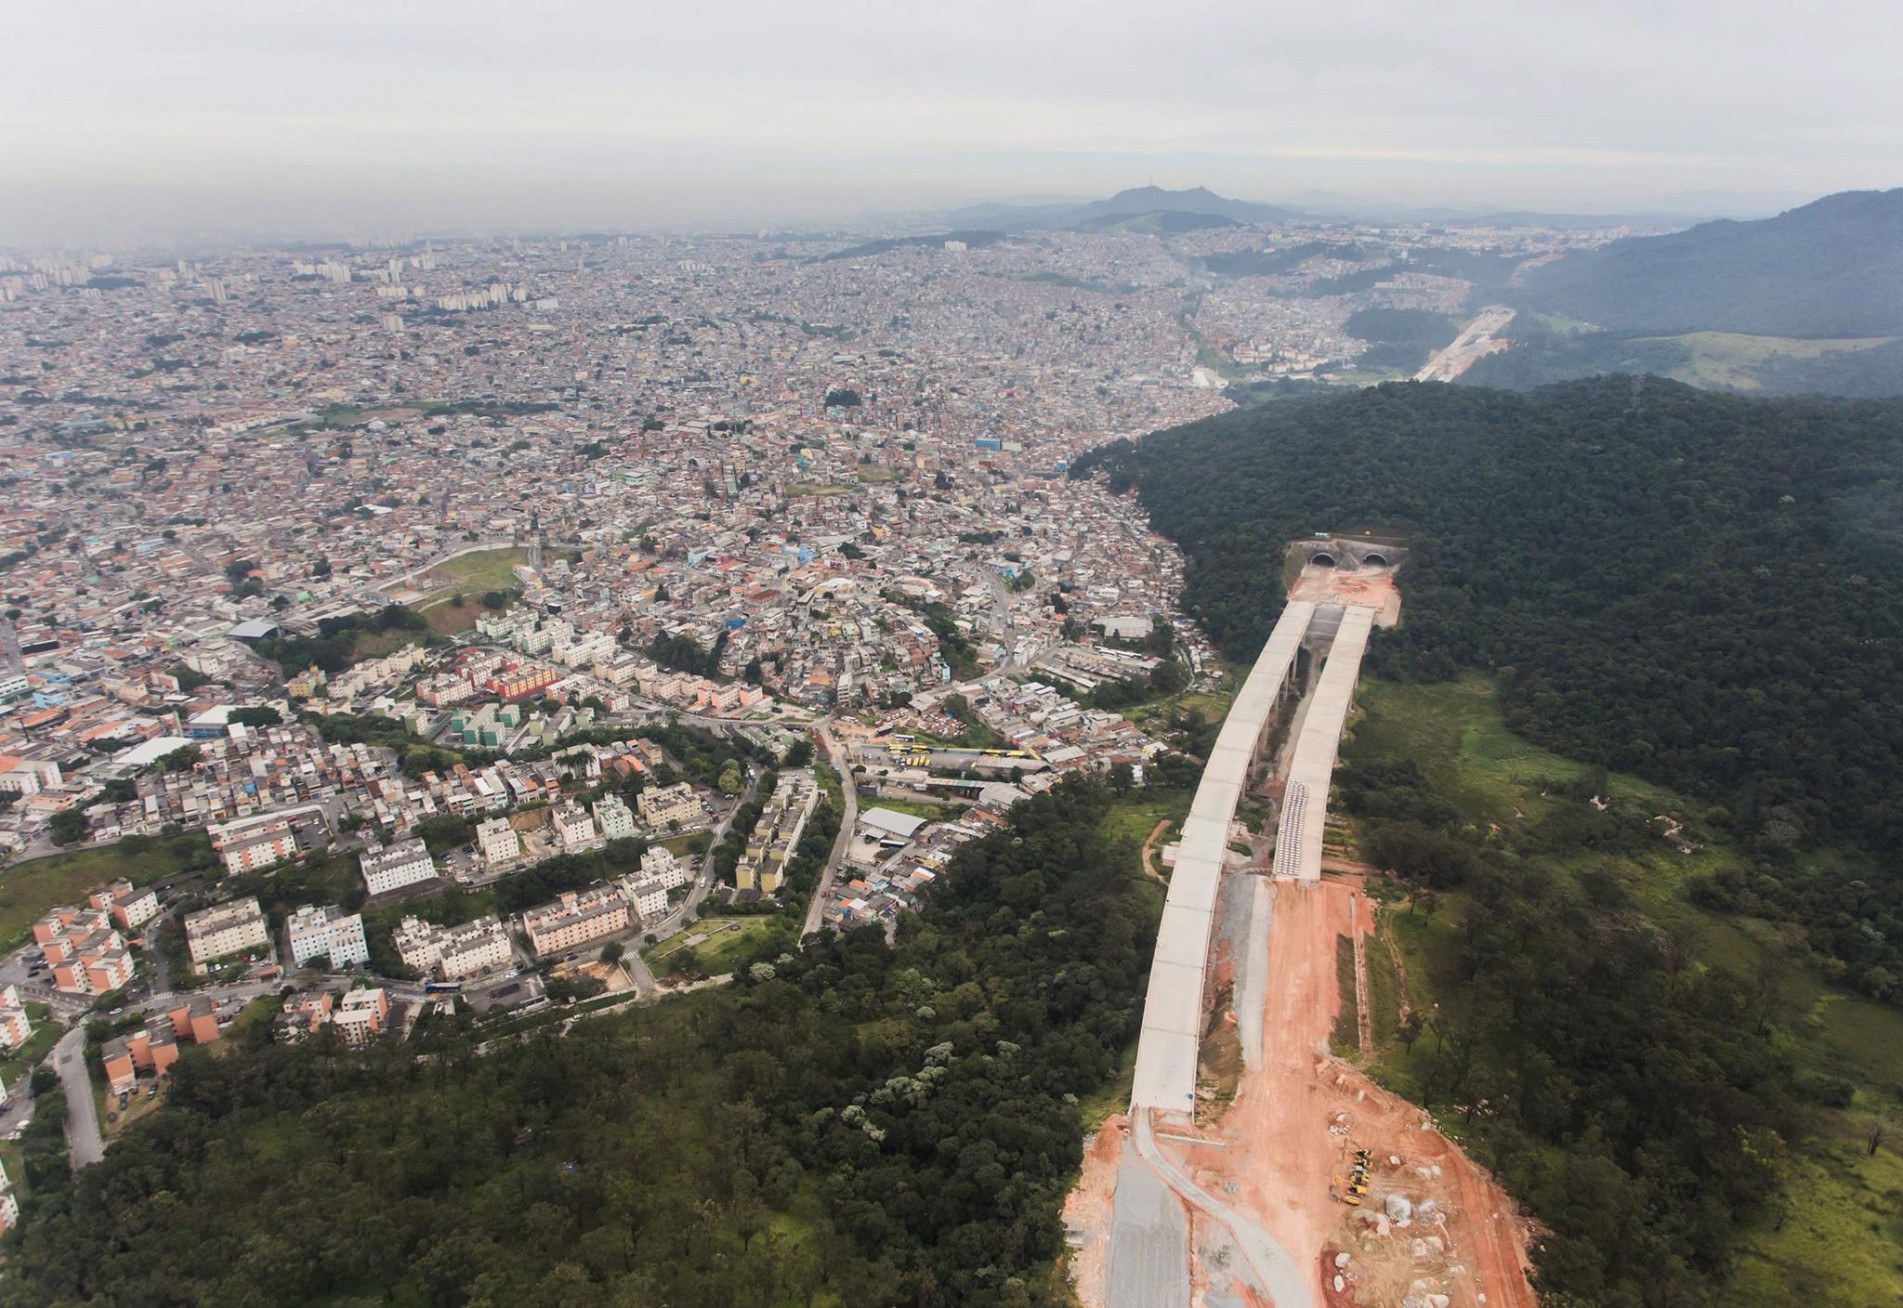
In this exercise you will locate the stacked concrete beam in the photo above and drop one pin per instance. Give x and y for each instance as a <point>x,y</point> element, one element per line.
<point>1298,839</point>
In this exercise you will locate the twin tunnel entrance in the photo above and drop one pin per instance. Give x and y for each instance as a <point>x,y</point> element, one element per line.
<point>1346,552</point>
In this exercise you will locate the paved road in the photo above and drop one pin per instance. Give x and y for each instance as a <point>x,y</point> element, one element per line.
<point>1148,1262</point>
<point>1275,1270</point>
<point>83,1141</point>
<point>848,821</point>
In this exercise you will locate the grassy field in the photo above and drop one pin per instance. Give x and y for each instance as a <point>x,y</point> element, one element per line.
<point>717,942</point>
<point>1136,817</point>
<point>1731,359</point>
<point>446,619</point>
<point>1454,732</point>
<point>377,644</point>
<point>478,571</point>
<point>29,889</point>
<point>1835,1244</point>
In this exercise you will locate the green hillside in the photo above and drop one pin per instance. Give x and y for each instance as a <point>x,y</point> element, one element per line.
<point>1833,268</point>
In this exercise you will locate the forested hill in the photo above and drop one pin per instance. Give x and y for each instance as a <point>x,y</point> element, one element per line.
<point>1833,268</point>
<point>1702,589</point>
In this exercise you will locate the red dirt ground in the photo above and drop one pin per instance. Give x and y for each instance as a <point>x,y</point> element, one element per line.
<point>1295,1123</point>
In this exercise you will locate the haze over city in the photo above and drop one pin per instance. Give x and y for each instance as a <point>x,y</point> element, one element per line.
<point>306,118</point>
<point>1040,655</point>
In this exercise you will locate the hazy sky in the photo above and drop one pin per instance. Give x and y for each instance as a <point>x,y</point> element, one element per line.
<point>346,116</point>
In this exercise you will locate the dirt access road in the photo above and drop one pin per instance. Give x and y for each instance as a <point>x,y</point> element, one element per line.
<point>1273,1154</point>
<point>1292,1131</point>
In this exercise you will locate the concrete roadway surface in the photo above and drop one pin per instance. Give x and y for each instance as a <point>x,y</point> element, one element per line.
<point>848,820</point>
<point>1275,1270</point>
<point>83,1140</point>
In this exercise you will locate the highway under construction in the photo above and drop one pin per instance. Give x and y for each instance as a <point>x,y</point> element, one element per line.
<point>1212,1194</point>
<point>1173,1009</point>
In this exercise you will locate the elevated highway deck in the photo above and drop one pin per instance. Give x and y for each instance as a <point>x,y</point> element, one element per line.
<point>1298,837</point>
<point>1173,1010</point>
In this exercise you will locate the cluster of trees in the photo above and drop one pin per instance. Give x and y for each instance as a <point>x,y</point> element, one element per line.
<point>1701,589</point>
<point>857,1124</point>
<point>1400,338</point>
<point>684,654</point>
<point>704,757</point>
<point>331,648</point>
<point>414,757</point>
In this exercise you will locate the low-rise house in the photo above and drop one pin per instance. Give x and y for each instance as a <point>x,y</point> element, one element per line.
<point>304,1014</point>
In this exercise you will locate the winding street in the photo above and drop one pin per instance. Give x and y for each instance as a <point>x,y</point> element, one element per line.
<point>83,1141</point>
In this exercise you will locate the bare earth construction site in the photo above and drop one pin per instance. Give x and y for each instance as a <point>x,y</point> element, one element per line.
<point>1312,1185</point>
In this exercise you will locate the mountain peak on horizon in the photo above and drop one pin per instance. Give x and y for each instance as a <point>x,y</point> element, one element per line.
<point>1129,202</point>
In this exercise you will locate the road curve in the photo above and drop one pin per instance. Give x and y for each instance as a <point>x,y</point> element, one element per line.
<point>83,1141</point>
<point>1276,1272</point>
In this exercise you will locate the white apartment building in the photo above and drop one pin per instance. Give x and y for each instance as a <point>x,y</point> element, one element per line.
<point>458,952</point>
<point>498,842</point>
<point>405,863</point>
<point>665,805</point>
<point>326,932</point>
<point>235,927</point>
<point>650,899</point>
<point>659,864</point>
<point>574,827</point>
<point>613,817</point>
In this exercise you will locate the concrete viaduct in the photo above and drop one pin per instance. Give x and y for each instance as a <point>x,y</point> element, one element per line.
<point>1171,1036</point>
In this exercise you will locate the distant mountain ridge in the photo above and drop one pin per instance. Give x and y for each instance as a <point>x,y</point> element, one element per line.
<point>1831,268</point>
<point>1134,202</point>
